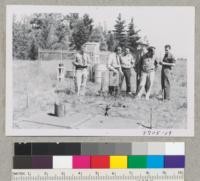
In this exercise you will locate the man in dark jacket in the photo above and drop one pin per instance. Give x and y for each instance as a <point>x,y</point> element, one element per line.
<point>167,64</point>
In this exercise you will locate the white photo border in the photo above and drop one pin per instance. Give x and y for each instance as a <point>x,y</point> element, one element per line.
<point>10,131</point>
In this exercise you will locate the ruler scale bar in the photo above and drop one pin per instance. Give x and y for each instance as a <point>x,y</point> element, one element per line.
<point>98,174</point>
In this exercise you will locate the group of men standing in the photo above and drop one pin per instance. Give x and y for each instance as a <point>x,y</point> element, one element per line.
<point>120,65</point>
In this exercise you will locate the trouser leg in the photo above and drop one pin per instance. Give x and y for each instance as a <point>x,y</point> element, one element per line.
<point>111,90</point>
<point>167,75</point>
<point>121,79</point>
<point>84,80</point>
<point>127,75</point>
<point>142,84</point>
<point>138,76</point>
<point>162,82</point>
<point>150,81</point>
<point>165,83</point>
<point>78,80</point>
<point>114,82</point>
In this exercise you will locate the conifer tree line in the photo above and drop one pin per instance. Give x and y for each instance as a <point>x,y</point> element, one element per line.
<point>68,32</point>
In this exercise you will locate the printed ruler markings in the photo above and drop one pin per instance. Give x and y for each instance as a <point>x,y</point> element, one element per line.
<point>103,175</point>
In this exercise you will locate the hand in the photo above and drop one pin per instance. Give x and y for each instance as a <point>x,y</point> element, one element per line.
<point>161,63</point>
<point>115,71</point>
<point>121,73</point>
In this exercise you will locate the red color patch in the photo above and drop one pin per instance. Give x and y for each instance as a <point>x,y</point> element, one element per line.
<point>100,161</point>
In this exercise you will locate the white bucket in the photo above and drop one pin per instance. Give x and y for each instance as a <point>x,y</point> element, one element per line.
<point>100,69</point>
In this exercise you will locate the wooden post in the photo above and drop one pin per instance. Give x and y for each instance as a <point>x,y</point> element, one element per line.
<point>59,109</point>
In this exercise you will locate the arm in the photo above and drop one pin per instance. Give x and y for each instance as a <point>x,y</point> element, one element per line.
<point>138,67</point>
<point>156,64</point>
<point>109,65</point>
<point>172,63</point>
<point>169,64</point>
<point>75,62</point>
<point>133,61</point>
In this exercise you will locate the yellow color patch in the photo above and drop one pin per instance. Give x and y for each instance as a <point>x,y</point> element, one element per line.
<point>118,161</point>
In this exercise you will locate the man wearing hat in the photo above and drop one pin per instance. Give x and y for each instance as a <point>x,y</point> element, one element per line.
<point>148,66</point>
<point>142,49</point>
<point>115,71</point>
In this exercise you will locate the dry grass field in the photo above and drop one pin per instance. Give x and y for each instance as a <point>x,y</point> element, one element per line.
<point>34,90</point>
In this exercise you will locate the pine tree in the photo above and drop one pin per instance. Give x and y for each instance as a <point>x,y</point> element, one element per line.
<point>97,35</point>
<point>120,32</point>
<point>79,35</point>
<point>132,37</point>
<point>111,43</point>
<point>82,30</point>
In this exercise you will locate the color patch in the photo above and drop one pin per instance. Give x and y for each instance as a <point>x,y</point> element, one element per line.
<point>106,148</point>
<point>22,162</point>
<point>155,161</point>
<point>65,149</point>
<point>40,162</point>
<point>139,148</point>
<point>123,149</point>
<point>137,161</point>
<point>174,161</point>
<point>156,148</point>
<point>89,149</point>
<point>22,148</point>
<point>62,161</point>
<point>118,161</point>
<point>81,161</point>
<point>100,161</point>
<point>56,148</point>
<point>174,148</point>
<point>40,149</point>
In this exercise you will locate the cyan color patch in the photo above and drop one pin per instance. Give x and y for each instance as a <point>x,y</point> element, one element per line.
<point>155,161</point>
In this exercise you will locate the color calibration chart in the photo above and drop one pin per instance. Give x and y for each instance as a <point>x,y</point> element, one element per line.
<point>139,161</point>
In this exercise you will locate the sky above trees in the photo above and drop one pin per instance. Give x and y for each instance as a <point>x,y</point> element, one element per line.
<point>161,25</point>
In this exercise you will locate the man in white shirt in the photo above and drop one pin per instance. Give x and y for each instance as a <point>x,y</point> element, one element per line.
<point>149,65</point>
<point>115,71</point>
<point>127,62</point>
<point>81,64</point>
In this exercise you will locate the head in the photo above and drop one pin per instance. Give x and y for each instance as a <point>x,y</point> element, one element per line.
<point>82,49</point>
<point>127,50</point>
<point>167,49</point>
<point>118,50</point>
<point>151,50</point>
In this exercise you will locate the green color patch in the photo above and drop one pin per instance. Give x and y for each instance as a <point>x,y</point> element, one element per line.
<point>137,161</point>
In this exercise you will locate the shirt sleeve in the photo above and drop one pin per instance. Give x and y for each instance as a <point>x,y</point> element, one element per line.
<point>75,60</point>
<point>156,61</point>
<point>133,61</point>
<point>173,59</point>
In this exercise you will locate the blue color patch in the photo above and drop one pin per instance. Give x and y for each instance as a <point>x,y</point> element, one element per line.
<point>155,161</point>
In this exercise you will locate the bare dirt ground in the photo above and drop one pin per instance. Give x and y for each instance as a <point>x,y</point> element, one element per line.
<point>35,94</point>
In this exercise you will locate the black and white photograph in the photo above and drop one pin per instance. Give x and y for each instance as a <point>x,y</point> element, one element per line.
<point>100,70</point>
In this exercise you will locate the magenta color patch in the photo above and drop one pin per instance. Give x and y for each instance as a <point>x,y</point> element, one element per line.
<point>81,161</point>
